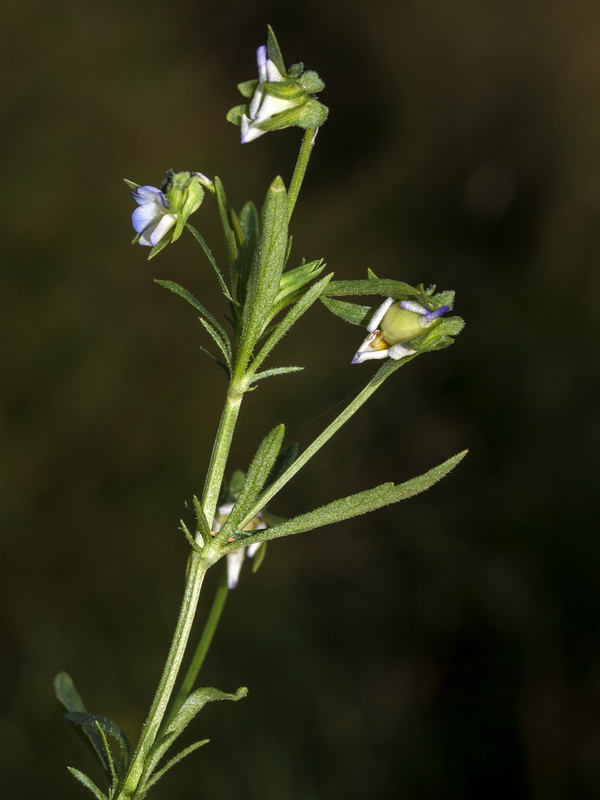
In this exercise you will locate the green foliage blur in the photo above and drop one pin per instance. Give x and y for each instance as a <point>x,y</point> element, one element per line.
<point>448,647</point>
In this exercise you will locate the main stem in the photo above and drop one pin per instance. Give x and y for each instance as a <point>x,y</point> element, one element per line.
<point>197,567</point>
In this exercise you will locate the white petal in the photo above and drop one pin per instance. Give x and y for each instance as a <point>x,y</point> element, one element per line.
<point>165,225</point>
<point>271,106</point>
<point>379,315</point>
<point>235,559</point>
<point>273,73</point>
<point>399,351</point>
<point>256,100</point>
<point>250,131</point>
<point>367,355</point>
<point>252,548</point>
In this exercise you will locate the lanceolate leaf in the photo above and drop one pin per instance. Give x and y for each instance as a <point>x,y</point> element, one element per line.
<point>354,505</point>
<point>290,318</point>
<point>192,706</point>
<point>69,698</point>
<point>267,266</point>
<point>207,252</point>
<point>175,760</point>
<point>87,782</point>
<point>258,472</point>
<point>388,288</point>
<point>270,373</point>
<point>350,312</point>
<point>216,330</point>
<point>91,722</point>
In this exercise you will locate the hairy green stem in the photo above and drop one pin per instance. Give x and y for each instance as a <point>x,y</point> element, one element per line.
<point>198,564</point>
<point>206,638</point>
<point>306,147</point>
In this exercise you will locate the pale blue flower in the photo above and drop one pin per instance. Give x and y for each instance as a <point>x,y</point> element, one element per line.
<point>152,220</point>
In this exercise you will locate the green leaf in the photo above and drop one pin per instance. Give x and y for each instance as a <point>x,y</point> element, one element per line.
<point>66,693</point>
<point>293,315</point>
<point>283,461</point>
<point>388,288</point>
<point>196,702</point>
<point>217,361</point>
<point>211,259</point>
<point>93,722</point>
<point>256,477</point>
<point>233,234</point>
<point>270,373</point>
<point>201,521</point>
<point>191,540</point>
<point>70,699</point>
<point>223,345</point>
<point>214,327</point>
<point>191,707</point>
<point>293,283</point>
<point>175,760</point>
<point>87,782</point>
<point>350,312</point>
<point>354,505</point>
<point>267,266</point>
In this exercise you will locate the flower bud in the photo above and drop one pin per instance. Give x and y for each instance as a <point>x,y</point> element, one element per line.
<point>184,194</point>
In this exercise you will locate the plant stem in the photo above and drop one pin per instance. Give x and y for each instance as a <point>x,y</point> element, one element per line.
<point>202,649</point>
<point>197,567</point>
<point>300,168</point>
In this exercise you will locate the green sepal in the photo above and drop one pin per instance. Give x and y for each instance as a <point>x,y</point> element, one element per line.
<point>235,114</point>
<point>352,506</point>
<point>133,186</point>
<point>439,335</point>
<point>398,290</point>
<point>371,275</point>
<point>274,51</point>
<point>161,244</point>
<point>349,312</point>
<point>311,82</point>
<point>247,89</point>
<point>256,477</point>
<point>87,782</point>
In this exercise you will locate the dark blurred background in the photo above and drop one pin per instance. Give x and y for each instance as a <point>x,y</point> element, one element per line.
<point>448,647</point>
